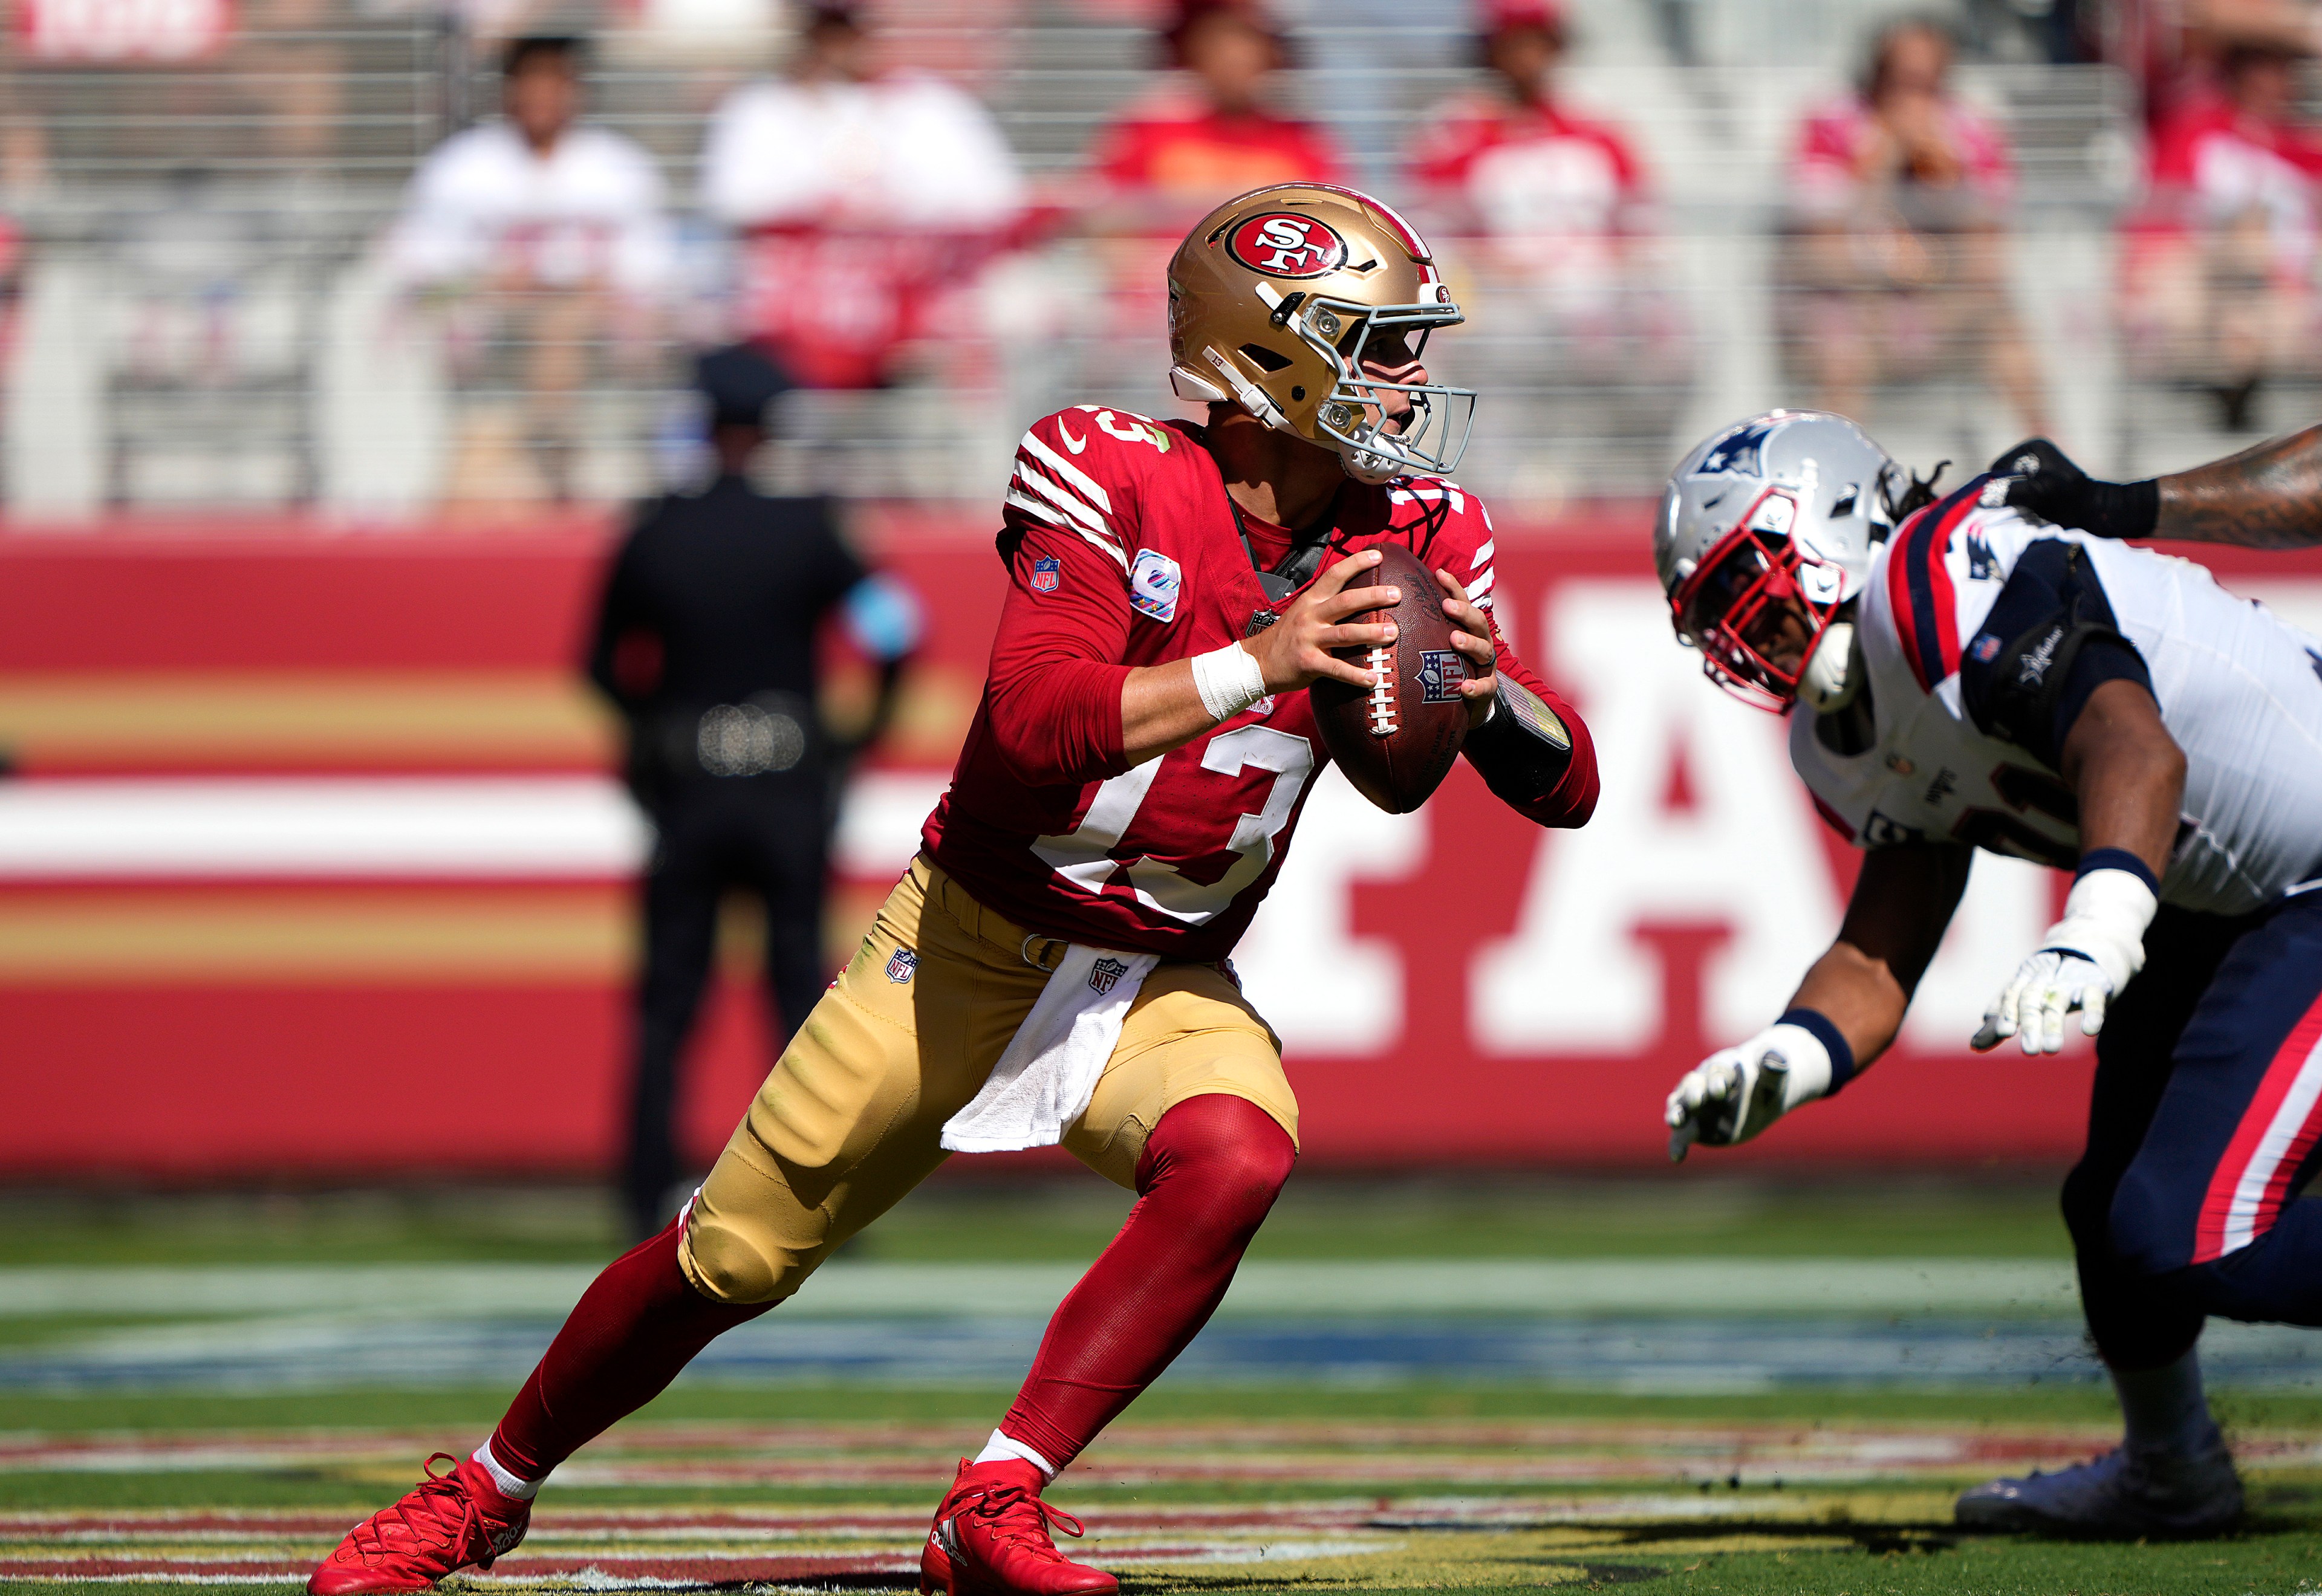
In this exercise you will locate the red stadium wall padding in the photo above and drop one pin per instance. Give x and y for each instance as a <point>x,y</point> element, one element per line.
<point>1456,988</point>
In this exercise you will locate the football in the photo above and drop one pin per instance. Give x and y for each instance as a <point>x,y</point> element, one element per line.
<point>1396,741</point>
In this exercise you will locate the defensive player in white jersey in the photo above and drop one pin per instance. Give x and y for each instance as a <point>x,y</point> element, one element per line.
<point>1968,676</point>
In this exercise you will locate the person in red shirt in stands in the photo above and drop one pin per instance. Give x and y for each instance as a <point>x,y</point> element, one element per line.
<point>1555,193</point>
<point>2219,269</point>
<point>1208,134</point>
<point>1205,134</point>
<point>1900,196</point>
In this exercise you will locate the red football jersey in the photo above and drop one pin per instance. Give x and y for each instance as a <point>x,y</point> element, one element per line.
<point>1123,551</point>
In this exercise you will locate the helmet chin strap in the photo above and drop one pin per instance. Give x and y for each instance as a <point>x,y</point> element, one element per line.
<point>1380,468</point>
<point>1832,673</point>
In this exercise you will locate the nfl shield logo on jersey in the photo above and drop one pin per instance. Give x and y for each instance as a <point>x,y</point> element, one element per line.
<point>1153,585</point>
<point>900,967</point>
<point>1048,574</point>
<point>1105,974</point>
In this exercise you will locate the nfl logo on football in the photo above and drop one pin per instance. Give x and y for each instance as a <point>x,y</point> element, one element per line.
<point>1440,673</point>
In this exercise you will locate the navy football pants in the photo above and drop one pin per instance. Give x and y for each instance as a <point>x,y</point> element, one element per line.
<point>2203,1130</point>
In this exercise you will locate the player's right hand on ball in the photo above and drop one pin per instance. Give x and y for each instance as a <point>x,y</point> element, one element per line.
<point>1295,652</point>
<point>1738,1091</point>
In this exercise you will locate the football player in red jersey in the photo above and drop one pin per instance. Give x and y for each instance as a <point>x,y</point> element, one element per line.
<point>1051,968</point>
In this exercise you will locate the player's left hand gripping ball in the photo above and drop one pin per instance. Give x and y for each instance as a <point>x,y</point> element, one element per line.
<point>2083,961</point>
<point>1738,1091</point>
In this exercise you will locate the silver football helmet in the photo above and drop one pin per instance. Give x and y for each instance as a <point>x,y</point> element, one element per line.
<point>1787,505</point>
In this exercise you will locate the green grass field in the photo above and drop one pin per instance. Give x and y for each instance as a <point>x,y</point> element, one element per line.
<point>1394,1485</point>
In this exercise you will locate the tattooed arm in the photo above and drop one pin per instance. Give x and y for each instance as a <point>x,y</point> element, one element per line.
<point>2265,498</point>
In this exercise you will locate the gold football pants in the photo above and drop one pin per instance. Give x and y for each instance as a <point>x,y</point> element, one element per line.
<point>850,1119</point>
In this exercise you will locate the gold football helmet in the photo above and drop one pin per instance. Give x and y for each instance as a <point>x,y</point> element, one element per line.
<point>1274,300</point>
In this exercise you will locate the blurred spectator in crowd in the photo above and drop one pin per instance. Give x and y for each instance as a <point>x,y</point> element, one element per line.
<point>861,195</point>
<point>544,242</point>
<point>2177,49</point>
<point>1553,198</point>
<point>1209,131</point>
<point>1206,131</point>
<point>2218,273</point>
<point>1898,265</point>
<point>1544,211</point>
<point>705,643</point>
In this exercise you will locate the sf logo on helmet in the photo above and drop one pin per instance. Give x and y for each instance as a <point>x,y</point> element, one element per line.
<point>1282,243</point>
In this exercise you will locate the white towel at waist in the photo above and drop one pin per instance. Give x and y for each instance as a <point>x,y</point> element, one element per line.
<point>1043,1081</point>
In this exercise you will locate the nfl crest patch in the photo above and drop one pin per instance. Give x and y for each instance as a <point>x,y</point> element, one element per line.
<point>1440,673</point>
<point>901,968</point>
<point>1048,574</point>
<point>1105,974</point>
<point>1987,648</point>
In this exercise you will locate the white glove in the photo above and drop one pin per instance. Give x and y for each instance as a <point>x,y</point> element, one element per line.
<point>2083,962</point>
<point>1738,1091</point>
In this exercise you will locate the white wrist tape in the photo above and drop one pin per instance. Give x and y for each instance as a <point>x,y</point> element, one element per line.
<point>1229,680</point>
<point>2104,922</point>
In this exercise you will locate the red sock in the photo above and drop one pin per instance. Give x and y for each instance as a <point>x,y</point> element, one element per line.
<point>637,1324</point>
<point>1211,1168</point>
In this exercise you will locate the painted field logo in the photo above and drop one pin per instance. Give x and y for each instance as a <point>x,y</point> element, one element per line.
<point>902,966</point>
<point>1440,673</point>
<point>1282,243</point>
<point>1105,974</point>
<point>1048,574</point>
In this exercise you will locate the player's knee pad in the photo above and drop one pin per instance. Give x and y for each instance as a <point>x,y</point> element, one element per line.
<point>2088,1207</point>
<point>2150,1227</point>
<point>730,1265</point>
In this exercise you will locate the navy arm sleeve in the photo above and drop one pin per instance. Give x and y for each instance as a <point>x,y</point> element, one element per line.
<point>2049,641</point>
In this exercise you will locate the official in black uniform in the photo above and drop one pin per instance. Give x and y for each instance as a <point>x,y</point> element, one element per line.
<point>706,642</point>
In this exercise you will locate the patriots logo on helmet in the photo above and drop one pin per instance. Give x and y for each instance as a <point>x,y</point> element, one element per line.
<point>1740,452</point>
<point>1282,243</point>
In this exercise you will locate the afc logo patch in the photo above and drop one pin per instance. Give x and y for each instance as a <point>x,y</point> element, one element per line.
<point>1154,583</point>
<point>902,966</point>
<point>1105,974</point>
<point>1440,673</point>
<point>1048,574</point>
<point>1282,243</point>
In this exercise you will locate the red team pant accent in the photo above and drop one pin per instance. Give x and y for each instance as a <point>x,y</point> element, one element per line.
<point>2273,1138</point>
<point>637,1325</point>
<point>1211,1171</point>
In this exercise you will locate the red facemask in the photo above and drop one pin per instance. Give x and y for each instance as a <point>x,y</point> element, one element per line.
<point>1739,591</point>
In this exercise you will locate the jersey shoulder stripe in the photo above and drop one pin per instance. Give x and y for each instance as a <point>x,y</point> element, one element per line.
<point>1919,587</point>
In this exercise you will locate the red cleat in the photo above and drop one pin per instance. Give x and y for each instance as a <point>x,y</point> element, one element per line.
<point>451,1521</point>
<point>990,1539</point>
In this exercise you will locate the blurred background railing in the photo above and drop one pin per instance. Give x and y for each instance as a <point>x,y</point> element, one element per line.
<point>226,290</point>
